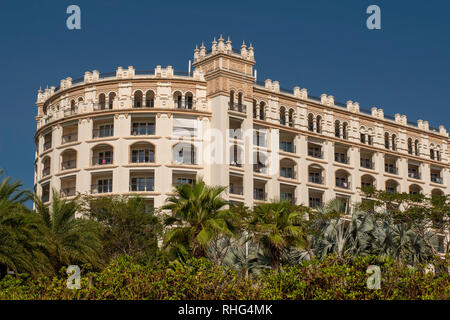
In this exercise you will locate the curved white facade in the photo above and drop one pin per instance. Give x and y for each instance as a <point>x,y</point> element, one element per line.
<point>133,132</point>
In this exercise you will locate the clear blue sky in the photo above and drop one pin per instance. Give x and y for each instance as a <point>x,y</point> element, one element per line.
<point>320,45</point>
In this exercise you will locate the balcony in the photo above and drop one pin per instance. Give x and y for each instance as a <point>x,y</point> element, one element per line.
<point>315,178</point>
<point>242,108</point>
<point>142,184</point>
<point>390,169</point>
<point>341,158</point>
<point>257,168</point>
<point>68,192</point>
<point>47,145</point>
<point>414,175</point>
<point>287,146</point>
<point>70,137</point>
<point>143,129</point>
<point>102,160</point>
<point>367,163</point>
<point>69,164</point>
<point>101,188</point>
<point>343,184</point>
<point>259,194</point>
<point>315,153</point>
<point>103,132</point>
<point>436,179</point>
<point>46,172</point>
<point>237,190</point>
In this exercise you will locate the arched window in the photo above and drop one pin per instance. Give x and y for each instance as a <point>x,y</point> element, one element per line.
<point>142,152</point>
<point>188,100</point>
<point>310,122</point>
<point>177,100</point>
<point>111,98</point>
<point>386,140</point>
<point>68,159</point>
<point>262,114</point>
<point>46,166</point>
<point>345,130</point>
<point>319,124</point>
<point>337,129</point>
<point>255,113</point>
<point>416,147</point>
<point>240,99</point>
<point>149,99</point>
<point>410,146</point>
<point>102,154</point>
<point>394,142</point>
<point>73,107</point>
<point>282,116</point>
<point>362,135</point>
<point>291,118</point>
<point>232,99</point>
<point>102,101</point>
<point>137,102</point>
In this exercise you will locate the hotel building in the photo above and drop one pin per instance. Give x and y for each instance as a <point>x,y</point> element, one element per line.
<point>133,132</point>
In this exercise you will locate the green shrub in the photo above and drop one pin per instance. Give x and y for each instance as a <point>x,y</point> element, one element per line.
<point>328,278</point>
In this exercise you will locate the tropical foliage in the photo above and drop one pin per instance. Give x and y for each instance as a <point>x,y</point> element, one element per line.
<point>275,250</point>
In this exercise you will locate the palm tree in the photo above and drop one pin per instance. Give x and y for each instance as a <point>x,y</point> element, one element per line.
<point>197,218</point>
<point>20,247</point>
<point>277,226</point>
<point>71,240</point>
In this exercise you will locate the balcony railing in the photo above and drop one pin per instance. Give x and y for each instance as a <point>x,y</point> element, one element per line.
<point>239,190</point>
<point>259,195</point>
<point>235,134</point>
<point>142,187</point>
<point>436,179</point>
<point>259,169</point>
<point>315,179</point>
<point>342,184</point>
<point>102,106</point>
<point>143,130</point>
<point>143,158</point>
<point>68,192</point>
<point>47,145</point>
<point>101,188</point>
<point>70,112</point>
<point>70,137</point>
<point>46,172</point>
<point>69,164</point>
<point>235,163</point>
<point>290,174</point>
<point>366,163</point>
<point>390,169</point>
<point>101,161</point>
<point>101,133</point>
<point>187,160</point>
<point>237,107</point>
<point>288,197</point>
<point>287,147</point>
<point>341,158</point>
<point>414,175</point>
<point>315,153</point>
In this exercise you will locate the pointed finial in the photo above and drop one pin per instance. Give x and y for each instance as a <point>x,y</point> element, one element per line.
<point>243,45</point>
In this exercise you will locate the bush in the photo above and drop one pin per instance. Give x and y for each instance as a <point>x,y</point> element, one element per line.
<point>328,278</point>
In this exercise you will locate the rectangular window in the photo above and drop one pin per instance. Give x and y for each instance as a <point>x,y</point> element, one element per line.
<point>185,127</point>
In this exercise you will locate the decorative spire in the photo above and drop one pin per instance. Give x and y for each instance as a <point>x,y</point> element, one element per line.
<point>196,53</point>
<point>243,50</point>
<point>229,47</point>
<point>202,50</point>
<point>221,45</point>
<point>251,53</point>
<point>214,46</point>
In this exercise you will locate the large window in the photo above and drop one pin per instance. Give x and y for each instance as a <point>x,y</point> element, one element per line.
<point>142,156</point>
<point>142,184</point>
<point>143,128</point>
